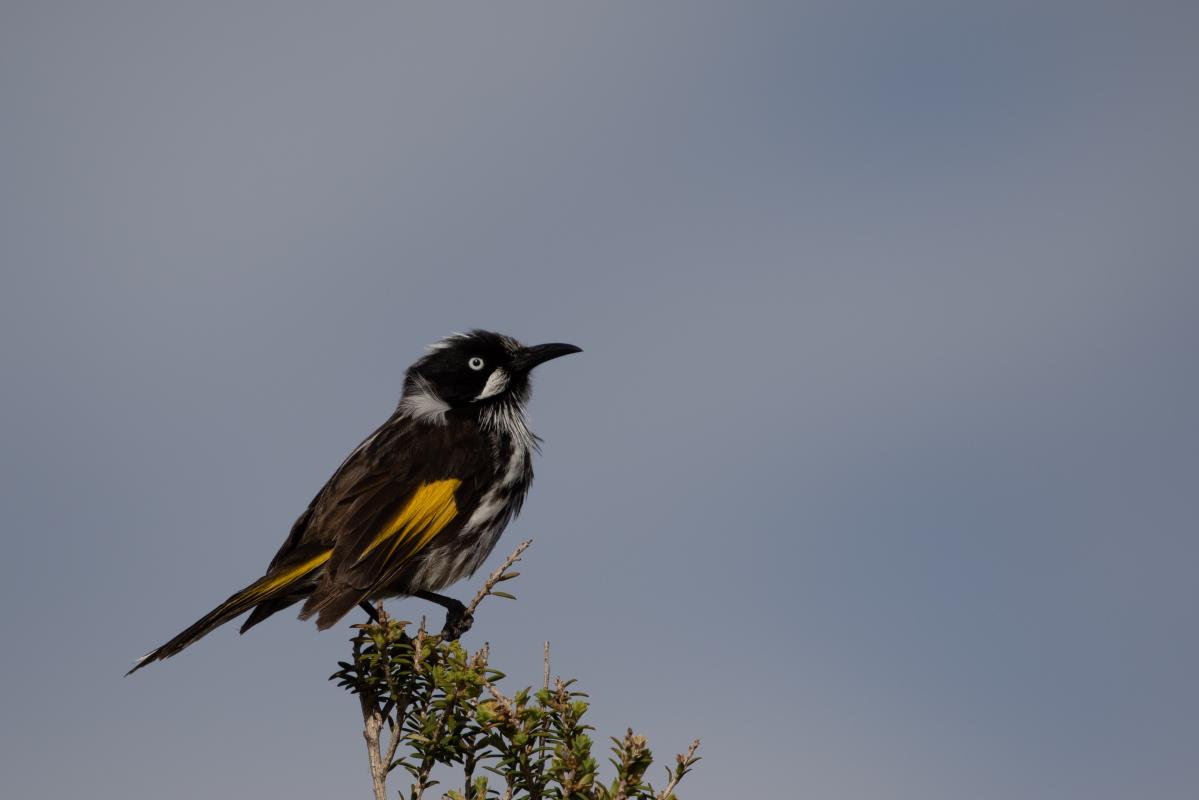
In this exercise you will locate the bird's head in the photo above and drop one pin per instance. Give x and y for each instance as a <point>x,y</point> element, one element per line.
<point>474,369</point>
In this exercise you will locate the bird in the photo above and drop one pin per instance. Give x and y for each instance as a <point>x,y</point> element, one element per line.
<point>417,505</point>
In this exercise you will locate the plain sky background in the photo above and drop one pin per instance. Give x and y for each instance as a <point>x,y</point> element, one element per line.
<point>879,473</point>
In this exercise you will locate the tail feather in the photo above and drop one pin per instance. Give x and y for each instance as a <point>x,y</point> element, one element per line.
<point>235,606</point>
<point>332,608</point>
<point>266,609</point>
<point>331,600</point>
<point>270,592</point>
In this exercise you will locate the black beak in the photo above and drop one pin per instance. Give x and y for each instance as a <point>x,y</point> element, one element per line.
<point>541,353</point>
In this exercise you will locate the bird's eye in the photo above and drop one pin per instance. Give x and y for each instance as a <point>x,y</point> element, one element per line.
<point>475,363</point>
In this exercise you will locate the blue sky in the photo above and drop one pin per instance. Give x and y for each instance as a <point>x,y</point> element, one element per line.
<point>879,471</point>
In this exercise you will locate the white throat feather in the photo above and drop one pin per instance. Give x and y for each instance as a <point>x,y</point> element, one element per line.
<point>509,418</point>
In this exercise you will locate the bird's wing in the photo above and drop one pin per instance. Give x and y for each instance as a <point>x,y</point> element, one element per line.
<point>405,486</point>
<point>361,472</point>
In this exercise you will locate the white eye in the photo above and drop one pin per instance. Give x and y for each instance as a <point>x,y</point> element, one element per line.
<point>475,363</point>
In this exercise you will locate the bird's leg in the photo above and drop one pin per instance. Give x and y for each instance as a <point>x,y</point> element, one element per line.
<point>457,619</point>
<point>370,610</point>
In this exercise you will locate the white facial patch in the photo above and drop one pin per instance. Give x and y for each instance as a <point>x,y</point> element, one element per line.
<point>423,403</point>
<point>496,383</point>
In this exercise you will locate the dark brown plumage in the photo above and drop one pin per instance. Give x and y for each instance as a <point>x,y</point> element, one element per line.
<point>417,505</point>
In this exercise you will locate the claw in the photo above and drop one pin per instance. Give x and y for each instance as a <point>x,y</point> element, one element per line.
<point>457,622</point>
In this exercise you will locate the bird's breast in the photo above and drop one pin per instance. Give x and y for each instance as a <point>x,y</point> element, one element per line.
<point>506,490</point>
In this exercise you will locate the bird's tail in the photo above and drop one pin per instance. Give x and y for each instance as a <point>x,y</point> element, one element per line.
<point>276,585</point>
<point>265,588</point>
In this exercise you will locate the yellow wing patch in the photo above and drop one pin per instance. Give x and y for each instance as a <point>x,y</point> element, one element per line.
<point>263,588</point>
<point>431,508</point>
<point>275,582</point>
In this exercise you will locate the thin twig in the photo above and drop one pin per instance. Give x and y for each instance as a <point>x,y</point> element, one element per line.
<point>497,694</point>
<point>418,646</point>
<point>495,576</point>
<point>683,760</point>
<point>545,670</point>
<point>426,766</point>
<point>397,731</point>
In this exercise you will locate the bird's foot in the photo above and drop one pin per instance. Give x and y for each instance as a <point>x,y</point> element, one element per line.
<point>457,621</point>
<point>457,618</point>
